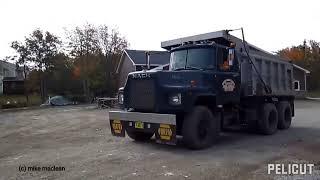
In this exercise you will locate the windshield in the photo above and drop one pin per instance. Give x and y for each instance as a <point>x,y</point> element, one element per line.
<point>197,58</point>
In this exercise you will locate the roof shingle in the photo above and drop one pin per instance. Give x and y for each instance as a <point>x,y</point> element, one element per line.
<point>156,57</point>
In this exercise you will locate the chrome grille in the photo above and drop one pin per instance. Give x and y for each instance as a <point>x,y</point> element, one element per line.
<point>141,94</point>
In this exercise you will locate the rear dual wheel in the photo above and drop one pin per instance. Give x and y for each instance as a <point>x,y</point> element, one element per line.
<point>274,117</point>
<point>268,119</point>
<point>284,115</point>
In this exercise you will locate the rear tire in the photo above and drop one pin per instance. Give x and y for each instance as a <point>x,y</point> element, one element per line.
<point>268,120</point>
<point>284,115</point>
<point>139,136</point>
<point>200,128</point>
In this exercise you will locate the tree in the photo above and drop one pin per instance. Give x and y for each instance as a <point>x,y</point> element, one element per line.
<point>23,59</point>
<point>95,50</point>
<point>112,45</point>
<point>294,54</point>
<point>110,40</point>
<point>42,47</point>
<point>90,61</point>
<point>306,55</point>
<point>38,49</point>
<point>83,42</point>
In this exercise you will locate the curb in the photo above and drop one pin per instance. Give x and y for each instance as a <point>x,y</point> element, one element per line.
<point>44,107</point>
<point>22,108</point>
<point>311,98</point>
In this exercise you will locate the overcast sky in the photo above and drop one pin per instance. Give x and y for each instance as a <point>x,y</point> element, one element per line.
<point>269,24</point>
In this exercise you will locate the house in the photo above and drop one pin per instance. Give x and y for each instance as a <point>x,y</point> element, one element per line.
<point>300,80</point>
<point>11,76</point>
<point>136,60</point>
<point>6,70</point>
<point>13,85</point>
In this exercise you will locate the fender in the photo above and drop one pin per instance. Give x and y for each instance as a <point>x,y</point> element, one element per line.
<point>207,99</point>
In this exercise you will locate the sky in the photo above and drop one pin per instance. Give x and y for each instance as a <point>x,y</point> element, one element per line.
<point>268,24</point>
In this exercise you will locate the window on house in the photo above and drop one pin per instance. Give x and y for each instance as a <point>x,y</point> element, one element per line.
<point>5,72</point>
<point>296,85</point>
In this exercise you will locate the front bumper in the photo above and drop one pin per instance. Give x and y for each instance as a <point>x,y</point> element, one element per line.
<point>162,125</point>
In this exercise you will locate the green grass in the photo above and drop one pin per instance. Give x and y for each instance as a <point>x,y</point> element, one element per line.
<point>16,101</point>
<point>314,94</point>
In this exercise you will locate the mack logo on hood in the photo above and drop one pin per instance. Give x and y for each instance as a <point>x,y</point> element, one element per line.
<point>141,76</point>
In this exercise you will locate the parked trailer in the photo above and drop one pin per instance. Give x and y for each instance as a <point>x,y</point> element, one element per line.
<point>216,81</point>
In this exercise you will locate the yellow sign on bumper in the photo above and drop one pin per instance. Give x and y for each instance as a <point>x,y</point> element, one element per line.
<point>117,128</point>
<point>166,134</point>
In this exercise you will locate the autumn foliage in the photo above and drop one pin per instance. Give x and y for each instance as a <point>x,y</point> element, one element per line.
<point>306,55</point>
<point>83,64</point>
<point>293,54</point>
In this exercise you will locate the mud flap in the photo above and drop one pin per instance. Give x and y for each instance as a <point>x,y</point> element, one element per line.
<point>166,134</point>
<point>117,128</point>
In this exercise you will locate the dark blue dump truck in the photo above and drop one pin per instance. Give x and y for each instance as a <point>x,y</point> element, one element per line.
<point>215,82</point>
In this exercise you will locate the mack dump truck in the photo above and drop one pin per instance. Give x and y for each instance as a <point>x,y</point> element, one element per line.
<point>215,81</point>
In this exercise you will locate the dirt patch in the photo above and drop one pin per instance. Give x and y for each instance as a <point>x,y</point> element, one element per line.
<point>79,139</point>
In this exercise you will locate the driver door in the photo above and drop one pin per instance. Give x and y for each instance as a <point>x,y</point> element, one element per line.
<point>228,76</point>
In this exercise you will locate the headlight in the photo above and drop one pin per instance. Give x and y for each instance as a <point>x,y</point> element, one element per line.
<point>175,99</point>
<point>120,98</point>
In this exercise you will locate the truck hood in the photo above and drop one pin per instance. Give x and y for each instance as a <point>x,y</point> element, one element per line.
<point>177,78</point>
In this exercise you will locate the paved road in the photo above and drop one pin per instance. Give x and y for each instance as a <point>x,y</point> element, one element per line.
<point>78,139</point>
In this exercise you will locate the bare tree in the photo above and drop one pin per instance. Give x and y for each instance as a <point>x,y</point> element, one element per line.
<point>112,45</point>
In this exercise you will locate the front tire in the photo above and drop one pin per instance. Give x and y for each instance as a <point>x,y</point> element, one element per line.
<point>268,120</point>
<point>139,136</point>
<point>200,128</point>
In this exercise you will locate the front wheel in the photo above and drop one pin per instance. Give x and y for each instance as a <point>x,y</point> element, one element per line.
<point>200,128</point>
<point>139,136</point>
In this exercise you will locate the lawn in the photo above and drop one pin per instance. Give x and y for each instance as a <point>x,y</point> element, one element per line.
<point>15,101</point>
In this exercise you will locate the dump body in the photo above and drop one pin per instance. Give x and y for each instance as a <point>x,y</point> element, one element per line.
<point>276,73</point>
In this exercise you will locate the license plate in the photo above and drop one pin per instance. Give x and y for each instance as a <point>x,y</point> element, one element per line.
<point>138,125</point>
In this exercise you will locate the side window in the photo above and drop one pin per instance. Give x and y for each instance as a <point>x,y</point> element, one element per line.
<point>222,59</point>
